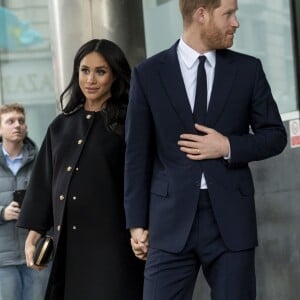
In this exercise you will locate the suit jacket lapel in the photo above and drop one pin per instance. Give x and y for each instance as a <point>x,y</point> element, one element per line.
<point>223,82</point>
<point>173,82</point>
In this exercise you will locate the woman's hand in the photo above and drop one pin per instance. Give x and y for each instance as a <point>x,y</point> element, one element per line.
<point>30,245</point>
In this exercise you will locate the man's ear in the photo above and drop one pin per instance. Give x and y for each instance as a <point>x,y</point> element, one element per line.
<point>200,15</point>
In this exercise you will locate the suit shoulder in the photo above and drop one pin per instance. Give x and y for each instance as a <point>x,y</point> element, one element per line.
<point>239,56</point>
<point>152,60</point>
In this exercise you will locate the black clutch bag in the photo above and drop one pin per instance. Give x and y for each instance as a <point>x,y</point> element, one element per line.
<point>43,251</point>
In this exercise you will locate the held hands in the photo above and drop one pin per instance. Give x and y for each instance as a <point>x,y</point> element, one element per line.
<point>211,145</point>
<point>12,211</point>
<point>139,242</point>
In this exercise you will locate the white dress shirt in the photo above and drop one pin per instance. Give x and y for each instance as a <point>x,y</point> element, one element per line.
<point>188,61</point>
<point>14,164</point>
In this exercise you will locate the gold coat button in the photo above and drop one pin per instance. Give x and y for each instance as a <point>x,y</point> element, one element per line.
<point>74,227</point>
<point>58,228</point>
<point>74,197</point>
<point>69,168</point>
<point>88,116</point>
<point>79,142</point>
<point>61,197</point>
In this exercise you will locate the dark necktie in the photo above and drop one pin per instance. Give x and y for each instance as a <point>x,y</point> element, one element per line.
<point>200,107</point>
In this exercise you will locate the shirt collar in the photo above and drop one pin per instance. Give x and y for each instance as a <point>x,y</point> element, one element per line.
<point>6,154</point>
<point>190,56</point>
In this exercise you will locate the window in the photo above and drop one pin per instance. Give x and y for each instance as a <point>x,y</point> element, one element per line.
<point>265,32</point>
<point>26,74</point>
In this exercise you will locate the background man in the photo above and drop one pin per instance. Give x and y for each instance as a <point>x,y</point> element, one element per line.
<point>17,155</point>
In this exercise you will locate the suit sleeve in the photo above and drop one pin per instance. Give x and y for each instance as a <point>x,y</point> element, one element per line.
<point>139,155</point>
<point>268,137</point>
<point>36,213</point>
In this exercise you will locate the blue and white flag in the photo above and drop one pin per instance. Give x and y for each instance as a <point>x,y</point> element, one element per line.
<point>14,33</point>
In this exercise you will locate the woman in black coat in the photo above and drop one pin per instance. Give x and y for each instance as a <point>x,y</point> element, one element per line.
<point>77,184</point>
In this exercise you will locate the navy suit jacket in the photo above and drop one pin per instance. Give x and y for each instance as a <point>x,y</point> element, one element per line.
<point>162,184</point>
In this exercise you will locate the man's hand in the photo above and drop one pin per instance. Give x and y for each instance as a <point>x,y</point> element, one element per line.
<point>11,211</point>
<point>211,145</point>
<point>139,242</point>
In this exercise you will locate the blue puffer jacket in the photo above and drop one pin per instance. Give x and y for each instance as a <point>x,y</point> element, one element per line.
<point>12,239</point>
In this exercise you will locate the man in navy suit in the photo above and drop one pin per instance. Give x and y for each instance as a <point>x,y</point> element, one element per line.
<point>189,194</point>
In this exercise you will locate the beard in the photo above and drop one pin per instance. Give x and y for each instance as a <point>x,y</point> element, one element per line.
<point>215,38</point>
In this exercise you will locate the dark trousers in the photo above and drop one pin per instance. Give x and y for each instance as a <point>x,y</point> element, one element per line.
<point>172,276</point>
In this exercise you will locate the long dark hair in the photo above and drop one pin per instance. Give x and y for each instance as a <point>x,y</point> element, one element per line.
<point>115,109</point>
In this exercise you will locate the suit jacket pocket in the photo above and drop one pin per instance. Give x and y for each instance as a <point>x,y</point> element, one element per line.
<point>159,187</point>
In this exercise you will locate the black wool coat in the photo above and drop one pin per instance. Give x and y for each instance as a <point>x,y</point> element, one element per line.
<point>76,188</point>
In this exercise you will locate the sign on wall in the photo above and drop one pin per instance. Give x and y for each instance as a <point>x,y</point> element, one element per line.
<point>295,133</point>
<point>27,81</point>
